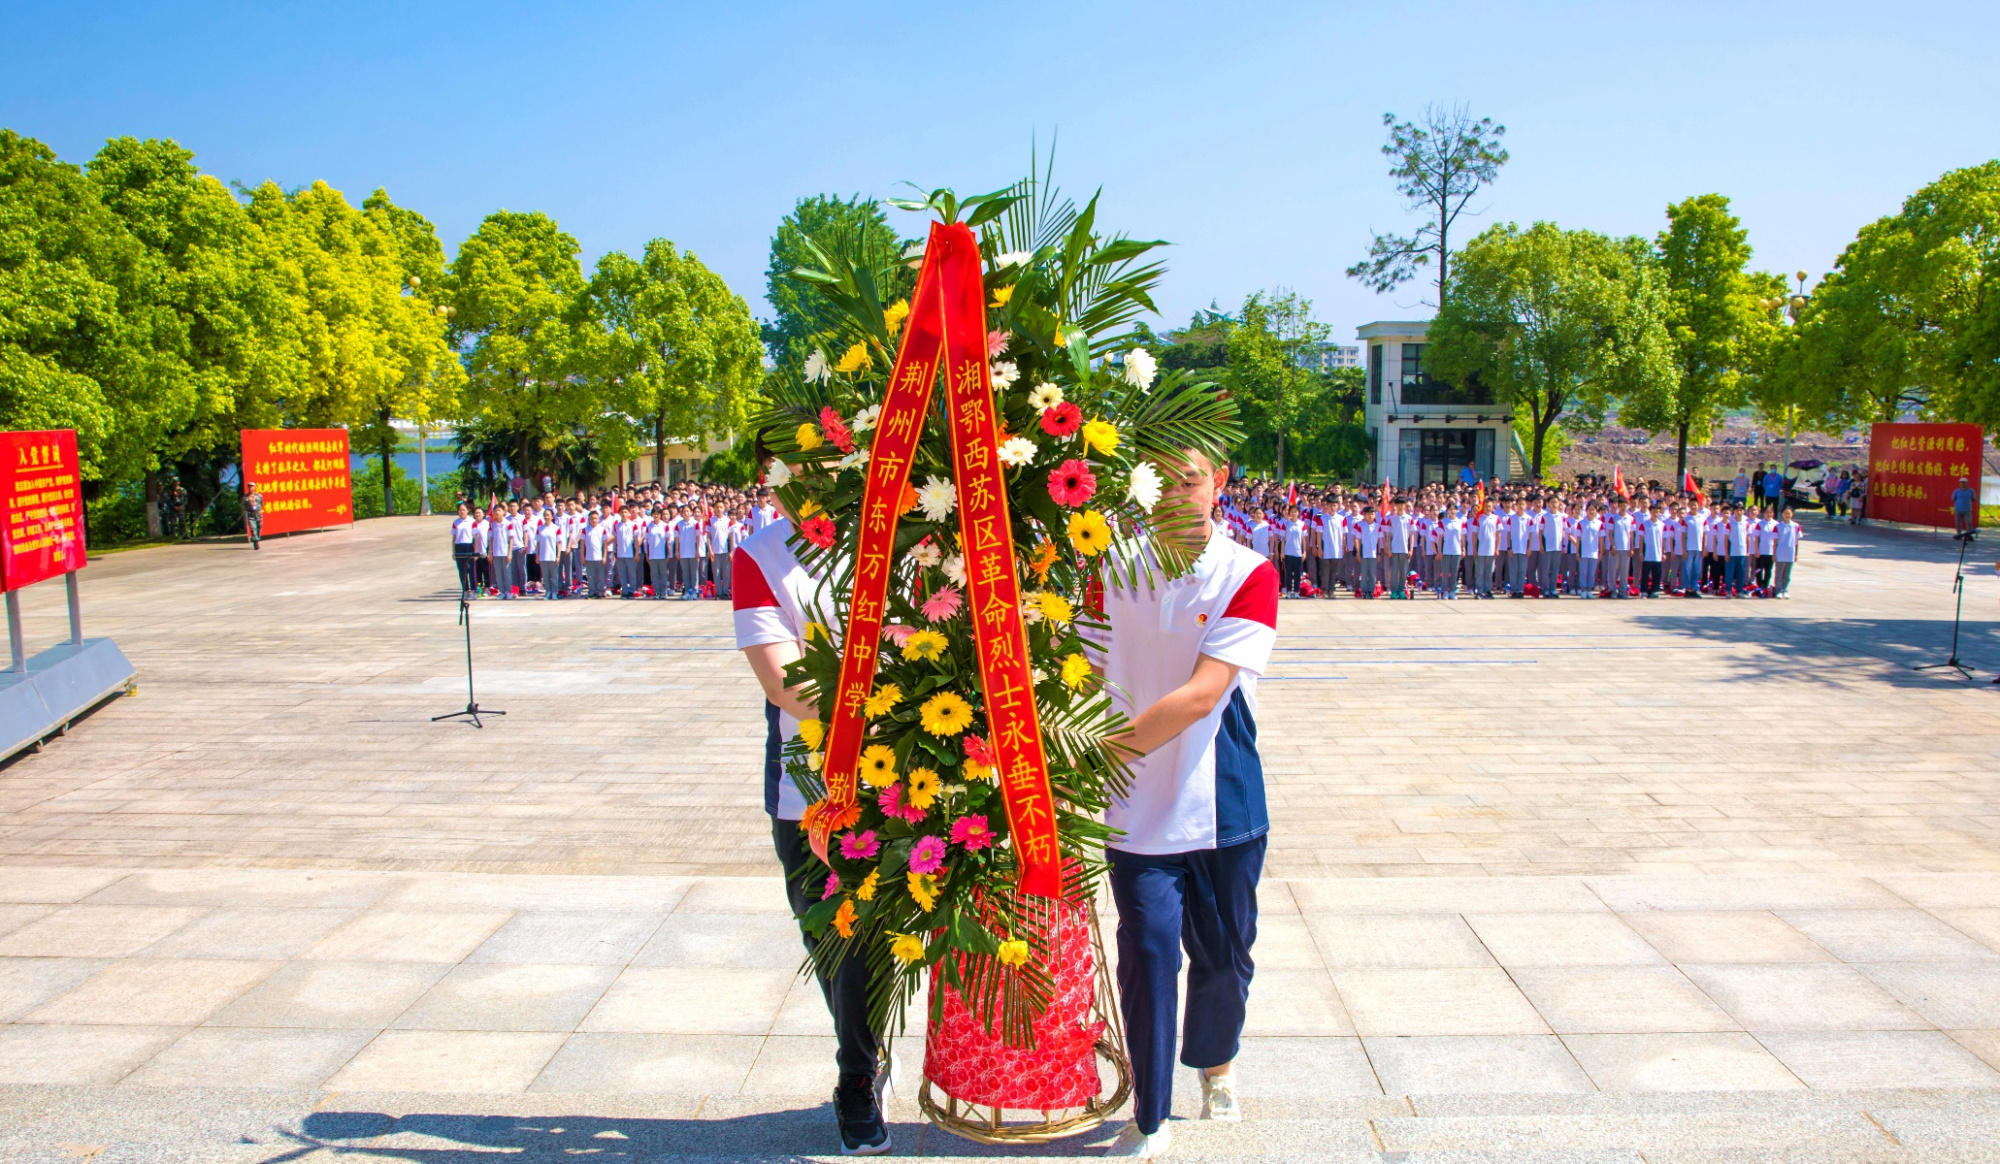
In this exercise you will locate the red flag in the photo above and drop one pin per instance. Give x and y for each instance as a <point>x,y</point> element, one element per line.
<point>1479,498</point>
<point>1292,494</point>
<point>1688,486</point>
<point>1388,493</point>
<point>1618,483</point>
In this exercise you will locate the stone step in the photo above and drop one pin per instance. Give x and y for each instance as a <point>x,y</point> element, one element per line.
<point>114,1125</point>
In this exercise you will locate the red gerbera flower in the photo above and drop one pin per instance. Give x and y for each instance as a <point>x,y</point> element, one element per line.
<point>978,750</point>
<point>818,530</point>
<point>1062,420</point>
<point>835,429</point>
<point>1071,483</point>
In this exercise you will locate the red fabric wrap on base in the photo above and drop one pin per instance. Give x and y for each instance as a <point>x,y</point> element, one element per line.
<point>974,1065</point>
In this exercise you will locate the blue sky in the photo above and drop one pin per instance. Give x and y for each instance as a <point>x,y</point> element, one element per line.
<point>1245,134</point>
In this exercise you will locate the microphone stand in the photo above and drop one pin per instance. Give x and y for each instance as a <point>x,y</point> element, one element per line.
<point>1958,588</point>
<point>472,707</point>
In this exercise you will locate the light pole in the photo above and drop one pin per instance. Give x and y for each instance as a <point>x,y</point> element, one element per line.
<point>1794,307</point>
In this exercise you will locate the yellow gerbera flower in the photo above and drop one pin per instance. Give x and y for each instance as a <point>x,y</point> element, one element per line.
<point>867,890</point>
<point>893,317</point>
<point>925,644</point>
<point>807,509</point>
<point>878,766</point>
<point>857,358</point>
<point>813,733</point>
<point>1002,295</point>
<point>1088,533</point>
<point>923,788</point>
<point>808,438</point>
<point>882,701</point>
<point>844,919</point>
<point>1075,669</point>
<point>1061,340</point>
<point>1055,607</point>
<point>923,889</point>
<point>908,948</point>
<point>1101,435</point>
<point>978,771</point>
<point>817,630</point>
<point>1013,952</point>
<point>946,714</point>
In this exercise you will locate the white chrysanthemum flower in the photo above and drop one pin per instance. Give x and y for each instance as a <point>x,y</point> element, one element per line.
<point>1045,396</point>
<point>914,252</point>
<point>778,474</point>
<point>1012,259</point>
<point>813,760</point>
<point>866,418</point>
<point>854,460</point>
<point>926,554</point>
<point>817,368</point>
<point>1004,375</point>
<point>954,569</point>
<point>937,498</point>
<point>1040,676</point>
<point>1144,487</point>
<point>1140,368</point>
<point>1016,451</point>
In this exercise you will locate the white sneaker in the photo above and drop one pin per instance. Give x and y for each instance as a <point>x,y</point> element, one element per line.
<point>1135,1143</point>
<point>1218,1098</point>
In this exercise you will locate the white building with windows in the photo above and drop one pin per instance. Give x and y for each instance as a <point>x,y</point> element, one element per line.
<point>1327,357</point>
<point>1423,431</point>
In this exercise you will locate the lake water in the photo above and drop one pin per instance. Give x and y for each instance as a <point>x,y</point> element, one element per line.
<point>439,461</point>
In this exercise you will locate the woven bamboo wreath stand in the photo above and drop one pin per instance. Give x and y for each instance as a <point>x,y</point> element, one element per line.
<point>990,1124</point>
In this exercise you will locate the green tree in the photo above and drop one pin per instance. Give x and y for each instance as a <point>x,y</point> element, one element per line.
<point>68,356</point>
<point>857,227</point>
<point>1715,318</point>
<point>1441,161</point>
<point>1898,326</point>
<point>517,291</point>
<point>1268,346</point>
<point>676,349</point>
<point>1557,322</point>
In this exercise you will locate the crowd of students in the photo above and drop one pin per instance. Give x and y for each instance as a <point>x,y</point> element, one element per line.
<point>641,541</point>
<point>1590,541</point>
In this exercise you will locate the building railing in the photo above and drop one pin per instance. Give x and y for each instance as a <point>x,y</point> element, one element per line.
<point>1437,393</point>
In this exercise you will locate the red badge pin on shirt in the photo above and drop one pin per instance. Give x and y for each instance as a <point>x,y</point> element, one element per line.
<point>1201,619</point>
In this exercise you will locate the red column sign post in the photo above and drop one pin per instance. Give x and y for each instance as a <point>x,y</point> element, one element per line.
<point>41,507</point>
<point>303,475</point>
<point>1913,468</point>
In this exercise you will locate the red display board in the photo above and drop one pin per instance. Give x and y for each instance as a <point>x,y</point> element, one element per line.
<point>303,475</point>
<point>41,507</point>
<point>1913,468</point>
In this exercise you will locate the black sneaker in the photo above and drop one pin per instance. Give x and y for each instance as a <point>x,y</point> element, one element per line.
<point>859,1110</point>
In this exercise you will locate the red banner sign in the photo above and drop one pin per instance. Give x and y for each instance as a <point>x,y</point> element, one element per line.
<point>1913,469</point>
<point>41,507</point>
<point>947,332</point>
<point>303,475</point>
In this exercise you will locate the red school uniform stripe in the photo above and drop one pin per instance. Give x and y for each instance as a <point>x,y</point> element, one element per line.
<point>750,591</point>
<point>1257,598</point>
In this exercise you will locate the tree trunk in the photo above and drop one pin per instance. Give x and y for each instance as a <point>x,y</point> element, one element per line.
<point>1281,454</point>
<point>1535,461</point>
<point>153,529</point>
<point>1681,461</point>
<point>659,446</point>
<point>1444,250</point>
<point>388,456</point>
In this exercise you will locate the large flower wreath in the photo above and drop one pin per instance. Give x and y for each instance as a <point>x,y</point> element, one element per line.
<point>923,870</point>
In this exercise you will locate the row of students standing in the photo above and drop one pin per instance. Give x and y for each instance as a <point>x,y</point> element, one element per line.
<point>574,549</point>
<point>1522,548</point>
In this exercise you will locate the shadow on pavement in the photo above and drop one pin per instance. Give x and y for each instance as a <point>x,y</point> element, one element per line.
<point>1837,651</point>
<point>782,1135</point>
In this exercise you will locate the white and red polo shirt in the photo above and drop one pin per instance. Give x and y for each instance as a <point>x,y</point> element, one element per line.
<point>773,595</point>
<point>1205,788</point>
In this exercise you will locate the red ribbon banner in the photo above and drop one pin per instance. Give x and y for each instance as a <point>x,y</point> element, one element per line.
<point>946,331</point>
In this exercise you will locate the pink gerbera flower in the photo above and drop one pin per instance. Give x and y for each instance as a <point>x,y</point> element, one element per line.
<point>859,846</point>
<point>891,804</point>
<point>835,429</point>
<point>1072,484</point>
<point>996,342</point>
<point>832,886</point>
<point>972,832</point>
<point>943,605</point>
<point>898,633</point>
<point>927,855</point>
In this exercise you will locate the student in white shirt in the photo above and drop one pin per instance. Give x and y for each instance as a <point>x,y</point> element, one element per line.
<point>1368,535</point>
<point>1520,535</point>
<point>1182,659</point>
<point>774,595</point>
<point>1785,547</point>
<point>462,528</point>
<point>596,539</point>
<point>1553,532</point>
<point>1451,546</point>
<point>718,551</point>
<point>688,538</point>
<point>656,553</point>
<point>1692,546</point>
<point>500,552</point>
<point>548,548</point>
<point>1486,543</point>
<point>1399,528</point>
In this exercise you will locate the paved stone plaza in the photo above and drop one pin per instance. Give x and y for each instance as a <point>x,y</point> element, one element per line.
<point>1549,881</point>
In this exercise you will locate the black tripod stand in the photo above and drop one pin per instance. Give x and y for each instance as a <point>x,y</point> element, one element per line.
<point>1958,588</point>
<point>472,707</point>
